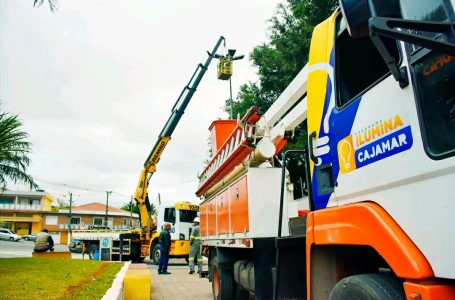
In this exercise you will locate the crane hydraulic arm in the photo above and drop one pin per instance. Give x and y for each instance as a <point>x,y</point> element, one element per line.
<point>141,194</point>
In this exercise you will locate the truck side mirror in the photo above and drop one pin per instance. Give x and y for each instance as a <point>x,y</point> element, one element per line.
<point>358,12</point>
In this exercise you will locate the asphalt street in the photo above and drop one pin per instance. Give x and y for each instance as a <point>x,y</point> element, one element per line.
<point>24,248</point>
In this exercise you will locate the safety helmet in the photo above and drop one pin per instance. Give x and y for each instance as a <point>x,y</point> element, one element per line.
<point>196,220</point>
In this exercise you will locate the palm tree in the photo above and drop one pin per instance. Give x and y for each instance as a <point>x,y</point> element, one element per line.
<point>14,149</point>
<point>52,4</point>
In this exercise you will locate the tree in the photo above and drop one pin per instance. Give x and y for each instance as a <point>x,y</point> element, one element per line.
<point>14,151</point>
<point>52,4</point>
<point>278,62</point>
<point>127,207</point>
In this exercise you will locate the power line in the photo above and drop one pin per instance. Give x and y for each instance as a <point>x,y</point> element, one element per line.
<point>98,193</point>
<point>78,188</point>
<point>68,185</point>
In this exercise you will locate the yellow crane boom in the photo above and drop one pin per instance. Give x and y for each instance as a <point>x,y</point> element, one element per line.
<point>141,194</point>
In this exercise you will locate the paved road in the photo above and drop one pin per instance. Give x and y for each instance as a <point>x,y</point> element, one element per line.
<point>25,248</point>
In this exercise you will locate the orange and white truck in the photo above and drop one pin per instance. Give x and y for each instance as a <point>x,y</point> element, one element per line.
<point>378,99</point>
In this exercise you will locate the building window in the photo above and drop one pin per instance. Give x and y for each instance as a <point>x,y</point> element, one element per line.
<point>6,200</point>
<point>98,221</point>
<point>125,222</point>
<point>51,220</point>
<point>29,201</point>
<point>75,220</point>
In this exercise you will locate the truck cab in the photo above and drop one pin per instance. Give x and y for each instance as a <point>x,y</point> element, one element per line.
<point>180,215</point>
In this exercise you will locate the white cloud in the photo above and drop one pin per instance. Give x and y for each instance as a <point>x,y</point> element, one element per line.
<point>95,82</point>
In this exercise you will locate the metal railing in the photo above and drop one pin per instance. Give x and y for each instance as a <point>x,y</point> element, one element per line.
<point>78,226</point>
<point>22,207</point>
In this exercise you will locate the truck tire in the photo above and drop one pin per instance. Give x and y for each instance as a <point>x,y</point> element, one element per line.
<point>241,293</point>
<point>155,254</point>
<point>136,253</point>
<point>222,283</point>
<point>368,287</point>
<point>91,250</point>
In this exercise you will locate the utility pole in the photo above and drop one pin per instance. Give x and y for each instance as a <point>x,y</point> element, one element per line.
<point>230,97</point>
<point>230,57</point>
<point>131,212</point>
<point>107,203</point>
<point>69,218</point>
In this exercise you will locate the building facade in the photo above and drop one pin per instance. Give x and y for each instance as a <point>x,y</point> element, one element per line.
<point>23,212</point>
<point>30,212</point>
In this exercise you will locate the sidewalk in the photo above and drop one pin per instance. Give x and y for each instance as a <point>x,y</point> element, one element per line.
<point>179,285</point>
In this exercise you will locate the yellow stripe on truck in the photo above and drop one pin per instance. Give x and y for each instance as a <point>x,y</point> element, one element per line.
<point>317,80</point>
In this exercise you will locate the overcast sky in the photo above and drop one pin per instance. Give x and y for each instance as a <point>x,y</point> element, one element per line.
<point>94,83</point>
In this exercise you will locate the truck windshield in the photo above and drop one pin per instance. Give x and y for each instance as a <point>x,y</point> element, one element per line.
<point>434,79</point>
<point>428,10</point>
<point>187,216</point>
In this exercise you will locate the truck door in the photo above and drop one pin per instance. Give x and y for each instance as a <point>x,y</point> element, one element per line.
<point>362,122</point>
<point>171,218</point>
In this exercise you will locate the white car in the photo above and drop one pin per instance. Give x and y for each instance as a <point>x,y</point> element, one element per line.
<point>6,234</point>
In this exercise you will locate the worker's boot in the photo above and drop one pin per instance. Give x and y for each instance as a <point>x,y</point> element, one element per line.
<point>191,272</point>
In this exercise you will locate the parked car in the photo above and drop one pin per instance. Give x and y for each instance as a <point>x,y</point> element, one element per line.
<point>29,237</point>
<point>6,234</point>
<point>75,246</point>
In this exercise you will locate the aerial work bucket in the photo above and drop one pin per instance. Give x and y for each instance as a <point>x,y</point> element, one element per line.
<point>224,69</point>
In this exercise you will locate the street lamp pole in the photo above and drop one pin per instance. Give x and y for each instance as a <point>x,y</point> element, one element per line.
<point>69,218</point>
<point>131,212</point>
<point>107,204</point>
<point>230,96</point>
<point>231,57</point>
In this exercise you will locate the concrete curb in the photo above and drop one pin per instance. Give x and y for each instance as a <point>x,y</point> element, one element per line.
<point>137,282</point>
<point>116,290</point>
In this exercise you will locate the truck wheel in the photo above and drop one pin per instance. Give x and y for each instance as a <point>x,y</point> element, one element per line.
<point>222,283</point>
<point>368,287</point>
<point>136,253</point>
<point>241,293</point>
<point>155,255</point>
<point>91,250</point>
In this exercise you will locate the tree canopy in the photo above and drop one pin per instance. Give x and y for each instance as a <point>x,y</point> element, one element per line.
<point>14,151</point>
<point>278,61</point>
<point>52,4</point>
<point>135,209</point>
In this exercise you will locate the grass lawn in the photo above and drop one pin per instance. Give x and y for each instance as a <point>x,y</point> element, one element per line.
<point>33,278</point>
